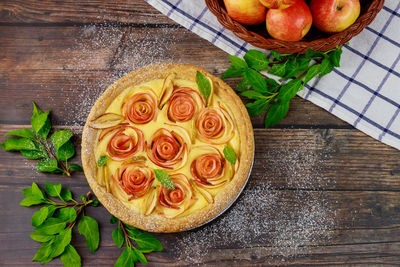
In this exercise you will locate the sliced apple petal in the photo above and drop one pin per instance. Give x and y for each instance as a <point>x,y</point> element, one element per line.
<point>207,196</point>
<point>210,97</point>
<point>100,176</point>
<point>151,201</point>
<point>106,120</point>
<point>167,89</point>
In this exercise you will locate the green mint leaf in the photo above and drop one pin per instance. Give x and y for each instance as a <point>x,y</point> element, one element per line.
<point>258,106</point>
<point>27,191</point>
<point>41,237</point>
<point>291,68</point>
<point>310,53</point>
<point>66,194</point>
<point>76,167</point>
<point>256,59</point>
<point>303,62</point>
<point>276,55</point>
<point>276,113</point>
<point>278,69</point>
<point>83,198</point>
<point>252,94</point>
<point>40,216</point>
<point>34,154</point>
<point>51,226</point>
<point>126,259</point>
<point>95,203</point>
<point>102,160</point>
<point>36,191</point>
<point>66,151</point>
<point>145,241</point>
<point>232,72</point>
<point>334,57</point>
<point>60,242</point>
<point>243,85</point>
<point>70,258</point>
<point>90,229</point>
<point>118,236</point>
<point>25,132</point>
<point>66,214</point>
<point>230,155</point>
<point>312,72</point>
<point>40,122</point>
<point>47,165</point>
<point>164,178</point>
<point>113,219</point>
<point>238,62</point>
<point>30,201</point>
<point>256,80</point>
<point>289,90</point>
<point>139,255</point>
<point>16,144</point>
<point>204,85</point>
<point>53,190</point>
<point>272,82</point>
<point>44,252</point>
<point>60,137</point>
<point>326,67</point>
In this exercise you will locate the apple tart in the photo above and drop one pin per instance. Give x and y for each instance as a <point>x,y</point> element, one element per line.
<point>167,147</point>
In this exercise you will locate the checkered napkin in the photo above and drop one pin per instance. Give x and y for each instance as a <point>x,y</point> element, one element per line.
<point>364,91</point>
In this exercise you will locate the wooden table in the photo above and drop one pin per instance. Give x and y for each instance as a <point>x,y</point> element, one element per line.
<point>321,192</point>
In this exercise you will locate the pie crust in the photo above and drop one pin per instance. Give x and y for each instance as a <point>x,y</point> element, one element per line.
<point>156,222</point>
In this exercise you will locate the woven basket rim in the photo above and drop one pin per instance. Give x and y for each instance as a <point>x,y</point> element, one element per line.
<point>322,44</point>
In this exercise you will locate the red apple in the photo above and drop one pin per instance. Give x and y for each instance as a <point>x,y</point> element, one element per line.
<point>334,15</point>
<point>279,4</point>
<point>289,24</point>
<point>248,12</point>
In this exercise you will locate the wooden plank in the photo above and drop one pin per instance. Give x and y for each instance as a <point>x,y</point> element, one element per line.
<point>120,11</point>
<point>74,65</point>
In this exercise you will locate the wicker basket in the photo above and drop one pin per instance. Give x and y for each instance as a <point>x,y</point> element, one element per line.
<point>315,39</point>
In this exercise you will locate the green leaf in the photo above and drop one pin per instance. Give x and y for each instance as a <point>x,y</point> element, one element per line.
<point>252,94</point>
<point>335,56</point>
<point>272,82</point>
<point>51,226</point>
<point>60,137</point>
<point>326,67</point>
<point>243,85</point>
<point>258,106</point>
<point>40,122</point>
<point>66,194</point>
<point>40,216</point>
<point>164,178</point>
<point>90,229</point>
<point>66,151</point>
<point>276,55</point>
<point>204,85</point>
<point>53,190</point>
<point>30,201</point>
<point>60,242</point>
<point>47,165</point>
<point>276,113</point>
<point>139,255</point>
<point>25,132</point>
<point>289,90</point>
<point>34,154</point>
<point>41,237</point>
<point>303,62</point>
<point>102,160</point>
<point>256,59</point>
<point>70,258</point>
<point>146,241</point>
<point>232,72</point>
<point>27,191</point>
<point>75,167</point>
<point>118,236</point>
<point>16,144</point>
<point>230,155</point>
<point>37,192</point>
<point>126,259</point>
<point>312,72</point>
<point>256,80</point>
<point>291,68</point>
<point>113,219</point>
<point>44,252</point>
<point>66,214</point>
<point>95,202</point>
<point>310,53</point>
<point>238,62</point>
<point>278,69</point>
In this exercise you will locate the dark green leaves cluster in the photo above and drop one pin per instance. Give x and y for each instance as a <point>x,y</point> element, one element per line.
<point>294,70</point>
<point>33,144</point>
<point>145,242</point>
<point>164,178</point>
<point>54,221</point>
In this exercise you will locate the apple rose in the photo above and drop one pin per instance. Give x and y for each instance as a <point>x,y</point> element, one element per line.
<point>134,178</point>
<point>179,199</point>
<point>214,125</point>
<point>210,169</point>
<point>183,104</point>
<point>141,107</point>
<point>124,142</point>
<point>167,149</point>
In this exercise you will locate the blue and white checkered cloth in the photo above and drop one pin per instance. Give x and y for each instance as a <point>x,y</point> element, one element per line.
<point>364,91</point>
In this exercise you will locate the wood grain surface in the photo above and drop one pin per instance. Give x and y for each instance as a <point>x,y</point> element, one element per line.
<point>320,193</point>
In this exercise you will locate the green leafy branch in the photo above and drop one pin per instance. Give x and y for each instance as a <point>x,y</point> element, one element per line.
<point>294,70</point>
<point>33,144</point>
<point>55,220</point>
<point>127,234</point>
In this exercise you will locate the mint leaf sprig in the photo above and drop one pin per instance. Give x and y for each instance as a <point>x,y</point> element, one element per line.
<point>127,234</point>
<point>294,70</point>
<point>55,220</point>
<point>34,144</point>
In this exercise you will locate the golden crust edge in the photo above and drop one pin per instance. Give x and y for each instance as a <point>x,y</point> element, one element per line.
<point>157,223</point>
